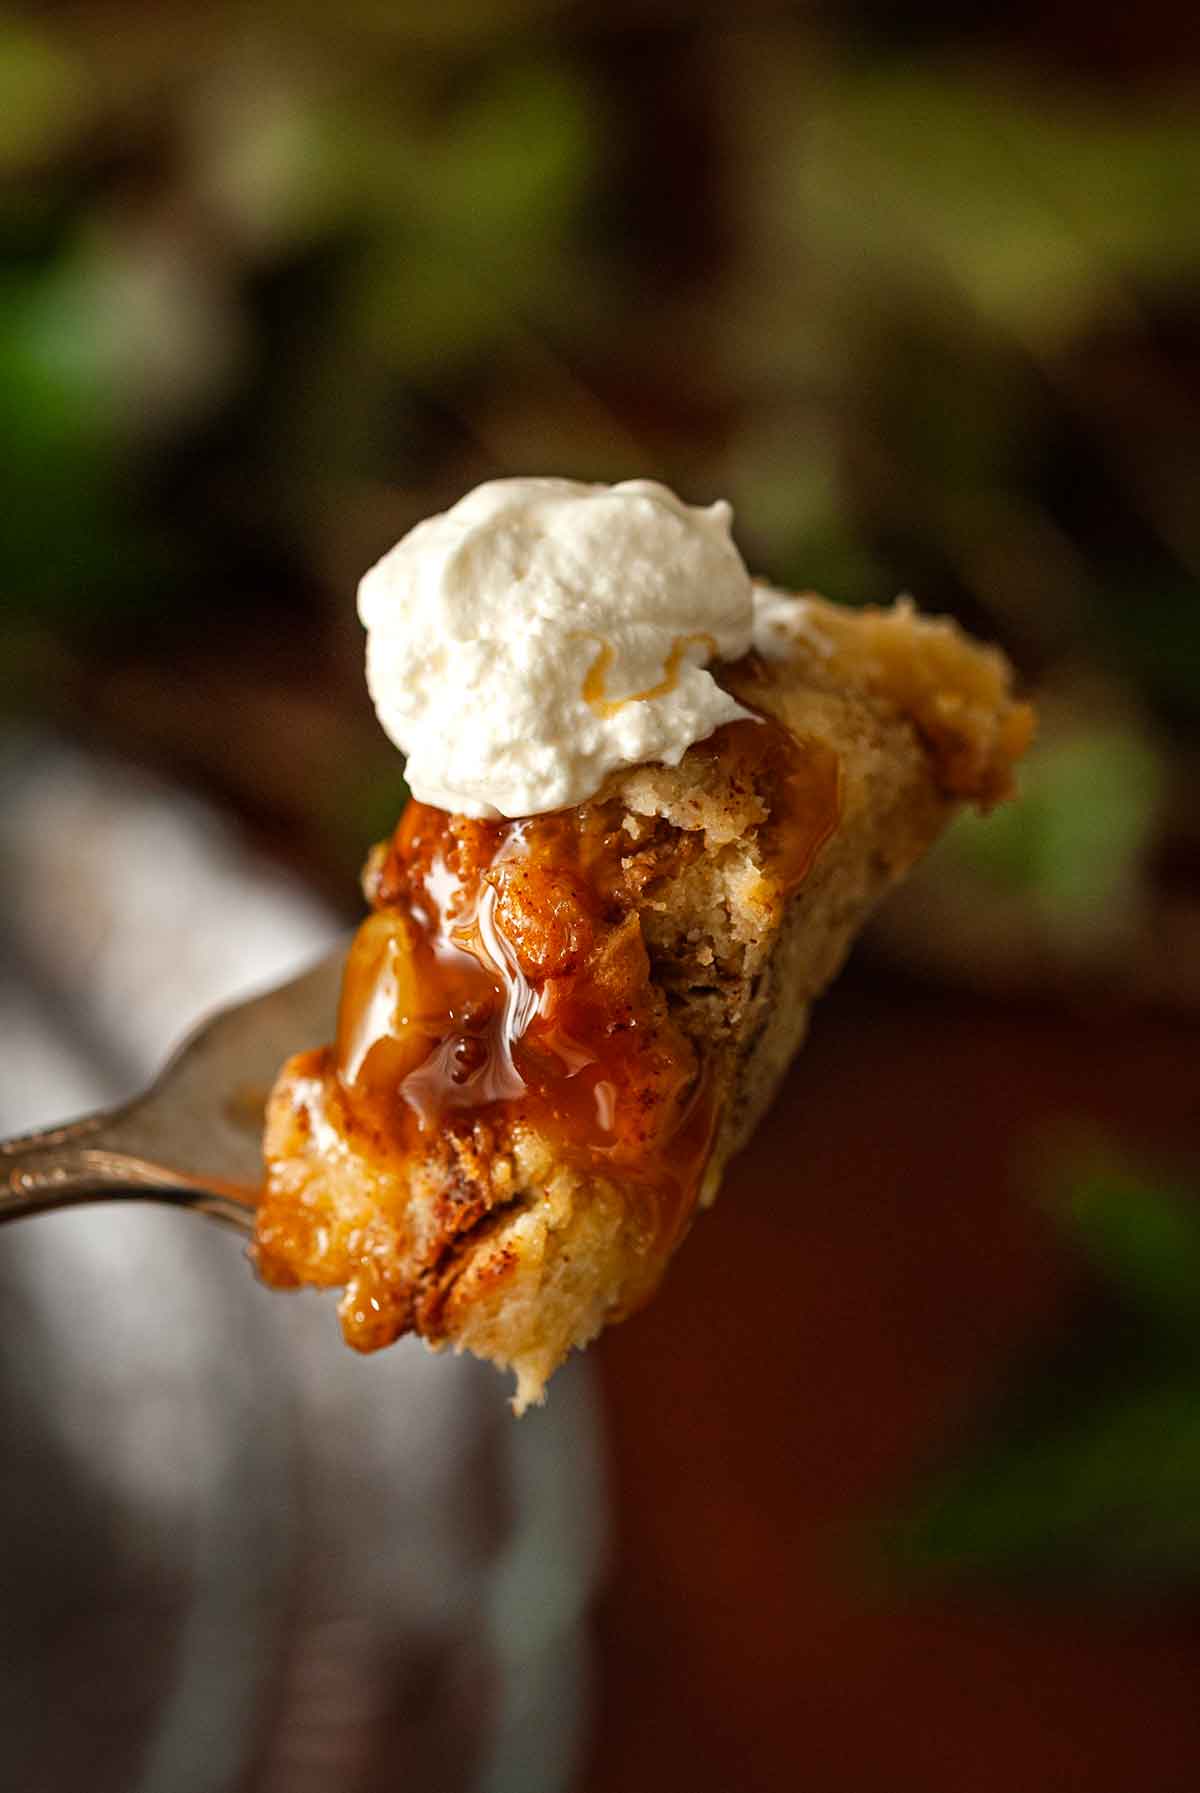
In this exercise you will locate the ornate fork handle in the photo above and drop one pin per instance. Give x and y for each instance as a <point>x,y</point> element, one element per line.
<point>95,1159</point>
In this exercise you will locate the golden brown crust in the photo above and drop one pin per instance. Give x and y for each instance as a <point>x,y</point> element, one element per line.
<point>957,693</point>
<point>490,1241</point>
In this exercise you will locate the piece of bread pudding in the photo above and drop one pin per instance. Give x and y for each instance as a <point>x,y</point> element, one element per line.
<point>555,1032</point>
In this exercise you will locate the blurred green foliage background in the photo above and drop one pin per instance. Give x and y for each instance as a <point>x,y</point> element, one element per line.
<point>920,294</point>
<point>922,302</point>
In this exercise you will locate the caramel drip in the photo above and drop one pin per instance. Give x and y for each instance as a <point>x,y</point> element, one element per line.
<point>504,980</point>
<point>595,680</point>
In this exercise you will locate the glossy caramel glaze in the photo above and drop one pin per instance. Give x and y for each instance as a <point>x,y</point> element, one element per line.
<point>504,977</point>
<point>504,983</point>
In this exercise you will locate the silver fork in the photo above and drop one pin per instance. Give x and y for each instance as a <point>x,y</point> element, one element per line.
<point>194,1138</point>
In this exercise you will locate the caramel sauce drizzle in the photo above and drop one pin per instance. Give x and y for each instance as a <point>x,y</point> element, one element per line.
<point>504,980</point>
<point>595,680</point>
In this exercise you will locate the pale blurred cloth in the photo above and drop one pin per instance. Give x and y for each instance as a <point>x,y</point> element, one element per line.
<point>232,1553</point>
<point>130,910</point>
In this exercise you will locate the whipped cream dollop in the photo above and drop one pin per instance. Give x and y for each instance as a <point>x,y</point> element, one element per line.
<point>542,634</point>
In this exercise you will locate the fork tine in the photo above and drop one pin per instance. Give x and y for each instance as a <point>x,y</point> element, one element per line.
<point>194,1138</point>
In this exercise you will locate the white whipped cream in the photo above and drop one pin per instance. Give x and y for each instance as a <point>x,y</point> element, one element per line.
<point>542,634</point>
<point>781,620</point>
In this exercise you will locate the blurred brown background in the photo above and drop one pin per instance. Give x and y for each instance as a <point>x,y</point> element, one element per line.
<point>904,1464</point>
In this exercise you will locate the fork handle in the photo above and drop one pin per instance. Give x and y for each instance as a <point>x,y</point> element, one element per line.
<point>88,1161</point>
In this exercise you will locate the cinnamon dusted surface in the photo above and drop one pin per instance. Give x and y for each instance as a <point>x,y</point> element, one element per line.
<point>555,1032</point>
